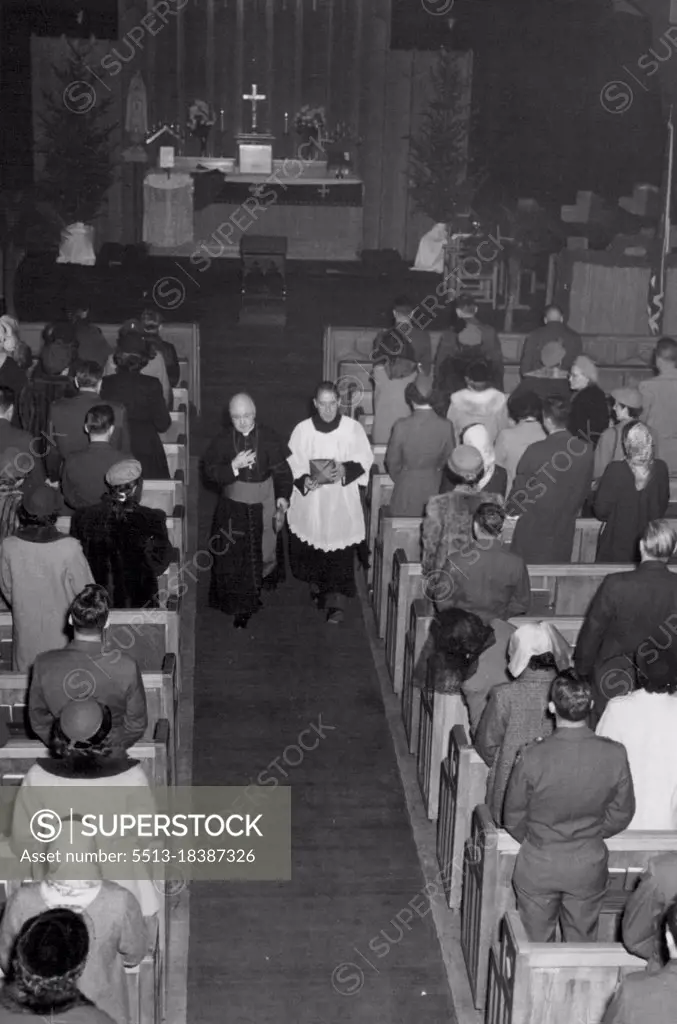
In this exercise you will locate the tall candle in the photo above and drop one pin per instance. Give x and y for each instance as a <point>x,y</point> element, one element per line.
<point>221,117</point>
<point>286,123</point>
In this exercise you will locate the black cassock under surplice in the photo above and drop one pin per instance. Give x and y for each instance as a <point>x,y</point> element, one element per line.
<point>236,540</point>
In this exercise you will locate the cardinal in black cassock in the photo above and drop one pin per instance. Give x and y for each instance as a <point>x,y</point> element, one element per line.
<point>247,462</point>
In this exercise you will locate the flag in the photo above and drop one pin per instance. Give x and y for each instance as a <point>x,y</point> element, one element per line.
<point>656,301</point>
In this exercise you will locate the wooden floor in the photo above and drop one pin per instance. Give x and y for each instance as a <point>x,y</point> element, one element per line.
<point>328,946</point>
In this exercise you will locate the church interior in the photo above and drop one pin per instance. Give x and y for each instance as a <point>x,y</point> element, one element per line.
<point>270,176</point>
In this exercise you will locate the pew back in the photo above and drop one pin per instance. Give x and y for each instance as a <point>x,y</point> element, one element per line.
<point>463,782</point>
<point>177,457</point>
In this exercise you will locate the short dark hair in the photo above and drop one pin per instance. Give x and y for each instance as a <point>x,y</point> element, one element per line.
<point>132,362</point>
<point>7,399</point>
<point>571,696</point>
<point>666,348</point>
<point>87,373</point>
<point>478,372</point>
<point>89,609</point>
<point>489,518</point>
<point>327,385</point>
<point>48,957</point>
<point>403,304</point>
<point>538,662</point>
<point>670,920</point>
<point>523,404</point>
<point>556,410</point>
<point>99,419</point>
<point>466,302</point>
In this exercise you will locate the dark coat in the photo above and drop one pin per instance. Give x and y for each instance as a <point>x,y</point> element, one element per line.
<point>627,609</point>
<point>91,343</point>
<point>417,453</point>
<point>148,418</point>
<point>83,480</point>
<point>117,682</point>
<point>453,357</point>
<point>626,512</point>
<point>36,401</point>
<point>14,378</point>
<point>589,415</point>
<point>489,581</point>
<point>535,342</point>
<point>544,387</point>
<point>552,482</point>
<point>66,430</point>
<point>168,353</point>
<point>12,437</point>
<point>127,547</point>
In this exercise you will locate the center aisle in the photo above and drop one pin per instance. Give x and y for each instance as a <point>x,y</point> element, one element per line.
<point>265,953</point>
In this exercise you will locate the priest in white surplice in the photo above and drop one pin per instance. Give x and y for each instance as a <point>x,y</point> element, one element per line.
<point>325,519</point>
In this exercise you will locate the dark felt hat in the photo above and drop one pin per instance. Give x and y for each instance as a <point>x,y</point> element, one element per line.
<point>133,343</point>
<point>53,944</point>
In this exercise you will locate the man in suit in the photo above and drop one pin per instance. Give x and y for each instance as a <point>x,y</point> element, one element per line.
<point>83,479</point>
<point>551,483</point>
<point>418,450</point>
<point>470,342</point>
<point>553,329</point>
<point>19,451</point>
<point>628,609</point>
<point>67,419</point>
<point>659,401</point>
<point>85,669</point>
<point>645,910</point>
<point>566,795</point>
<point>645,998</point>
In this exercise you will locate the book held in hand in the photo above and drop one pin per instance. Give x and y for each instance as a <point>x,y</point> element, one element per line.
<point>320,470</point>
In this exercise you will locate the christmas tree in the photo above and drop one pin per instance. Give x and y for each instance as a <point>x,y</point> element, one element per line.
<point>78,168</point>
<point>440,184</point>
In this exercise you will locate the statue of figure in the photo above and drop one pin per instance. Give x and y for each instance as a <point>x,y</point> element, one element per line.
<point>136,121</point>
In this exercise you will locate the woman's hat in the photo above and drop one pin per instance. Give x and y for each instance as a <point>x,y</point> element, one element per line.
<point>56,356</point>
<point>536,638</point>
<point>124,472</point>
<point>42,502</point>
<point>133,343</point>
<point>629,397</point>
<point>553,353</point>
<point>52,944</point>
<point>81,719</point>
<point>466,461</point>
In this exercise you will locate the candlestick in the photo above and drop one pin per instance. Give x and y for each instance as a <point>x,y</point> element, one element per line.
<point>221,112</point>
<point>286,123</point>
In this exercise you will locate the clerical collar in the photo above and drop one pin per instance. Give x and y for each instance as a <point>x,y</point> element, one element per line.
<point>326,428</point>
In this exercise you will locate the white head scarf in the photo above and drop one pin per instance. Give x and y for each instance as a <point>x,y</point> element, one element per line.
<point>536,638</point>
<point>477,436</point>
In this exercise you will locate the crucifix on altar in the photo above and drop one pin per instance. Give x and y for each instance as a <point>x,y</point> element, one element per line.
<point>255,150</point>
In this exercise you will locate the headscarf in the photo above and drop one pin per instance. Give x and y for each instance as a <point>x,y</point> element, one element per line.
<point>535,638</point>
<point>638,448</point>
<point>477,436</point>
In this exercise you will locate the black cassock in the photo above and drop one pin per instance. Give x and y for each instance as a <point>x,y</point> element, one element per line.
<point>237,538</point>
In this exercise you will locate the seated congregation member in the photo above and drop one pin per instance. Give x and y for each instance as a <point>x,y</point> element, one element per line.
<point>470,342</point>
<point>525,412</point>
<point>66,431</point>
<point>41,572</point>
<point>589,413</point>
<point>117,936</point>
<point>83,478</point>
<point>550,380</point>
<point>89,340</point>
<point>552,482</point>
<point>553,329</point>
<point>478,402</point>
<point>81,755</point>
<point>494,479</point>
<point>50,381</point>
<point>645,910</point>
<point>644,721</point>
<point>644,998</point>
<point>247,464</point>
<point>147,413</point>
<point>330,458</point>
<point>659,402</point>
<point>85,667</point>
<point>391,379</point>
<point>44,969</point>
<point>566,795</point>
<point>627,407</point>
<point>631,493</point>
<point>403,339</point>
<point>152,322</point>
<point>517,712</point>
<point>627,609</point>
<point>417,453</point>
<point>17,446</point>
<point>125,543</point>
<point>153,365</point>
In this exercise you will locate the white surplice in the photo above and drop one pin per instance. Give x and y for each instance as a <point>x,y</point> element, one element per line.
<point>330,517</point>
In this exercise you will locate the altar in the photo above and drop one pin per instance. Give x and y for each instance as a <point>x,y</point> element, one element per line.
<point>318,213</point>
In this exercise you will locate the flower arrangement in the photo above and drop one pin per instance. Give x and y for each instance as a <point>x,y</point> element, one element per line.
<point>341,133</point>
<point>200,116</point>
<point>310,119</point>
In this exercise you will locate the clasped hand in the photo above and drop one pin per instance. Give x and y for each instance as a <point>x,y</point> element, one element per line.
<point>334,472</point>
<point>244,460</point>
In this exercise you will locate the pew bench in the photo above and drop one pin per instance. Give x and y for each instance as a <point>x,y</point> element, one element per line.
<point>179,426</point>
<point>463,783</point>
<point>146,634</point>
<point>164,494</point>
<point>439,714</point>
<point>393,532</point>
<point>177,457</point>
<point>379,489</point>
<point>162,700</point>
<point>552,983</point>
<point>488,864</point>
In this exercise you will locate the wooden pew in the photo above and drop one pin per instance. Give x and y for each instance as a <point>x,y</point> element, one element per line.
<point>420,618</point>
<point>146,634</point>
<point>552,983</point>
<point>164,494</point>
<point>184,336</point>
<point>488,864</point>
<point>179,426</point>
<point>177,457</point>
<point>379,489</point>
<point>397,614</point>
<point>162,700</point>
<point>440,713</point>
<point>463,783</point>
<point>393,533</point>
<point>181,396</point>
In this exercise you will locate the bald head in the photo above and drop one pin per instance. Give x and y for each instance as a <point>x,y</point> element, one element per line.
<point>242,412</point>
<point>554,315</point>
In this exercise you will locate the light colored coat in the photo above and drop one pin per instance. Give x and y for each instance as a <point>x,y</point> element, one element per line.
<point>419,448</point>
<point>659,412</point>
<point>488,407</point>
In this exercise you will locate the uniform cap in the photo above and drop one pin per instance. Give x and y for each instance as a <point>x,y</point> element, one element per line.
<point>124,472</point>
